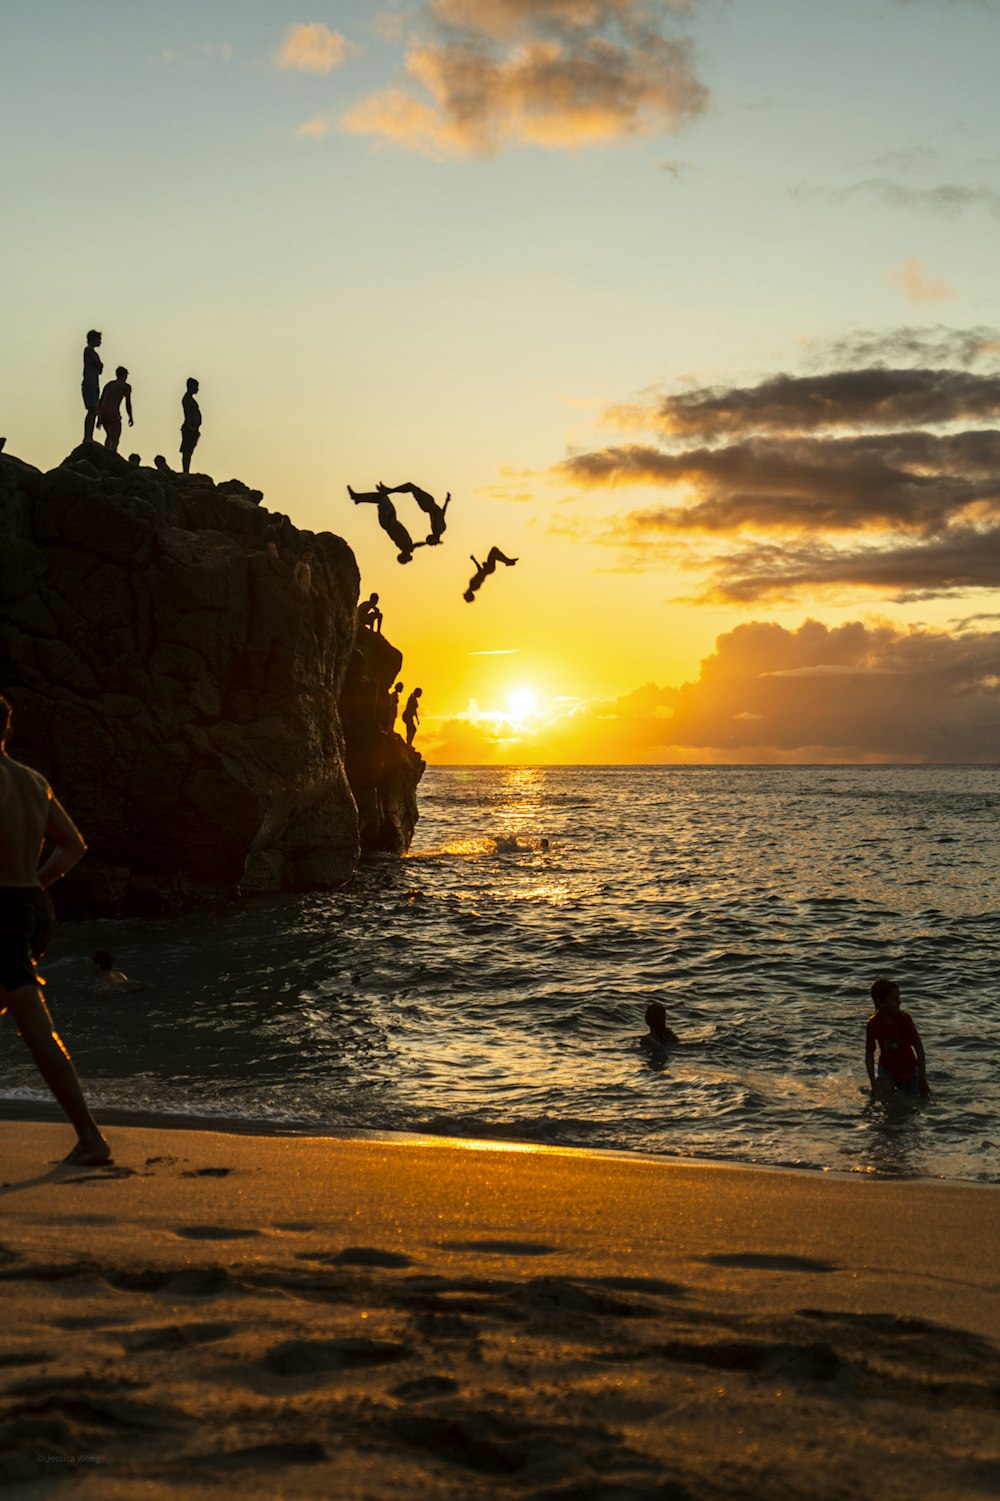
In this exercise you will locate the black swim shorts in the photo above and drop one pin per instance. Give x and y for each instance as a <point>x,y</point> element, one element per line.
<point>26,922</point>
<point>189,439</point>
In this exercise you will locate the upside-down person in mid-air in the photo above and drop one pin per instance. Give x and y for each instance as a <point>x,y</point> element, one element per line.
<point>483,571</point>
<point>427,504</point>
<point>388,520</point>
<point>29,815</point>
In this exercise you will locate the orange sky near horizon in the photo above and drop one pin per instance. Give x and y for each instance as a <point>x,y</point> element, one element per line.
<point>698,320</point>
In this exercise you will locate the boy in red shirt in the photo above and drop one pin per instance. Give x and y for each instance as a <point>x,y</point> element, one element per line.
<point>901,1061</point>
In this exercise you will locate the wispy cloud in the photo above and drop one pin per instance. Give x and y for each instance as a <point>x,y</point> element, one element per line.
<point>911,276</point>
<point>198,54</point>
<point>313,48</point>
<point>560,74</point>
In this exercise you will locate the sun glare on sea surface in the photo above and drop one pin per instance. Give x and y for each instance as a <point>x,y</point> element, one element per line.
<point>520,703</point>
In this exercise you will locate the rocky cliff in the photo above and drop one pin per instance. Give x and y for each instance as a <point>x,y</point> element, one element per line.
<point>213,725</point>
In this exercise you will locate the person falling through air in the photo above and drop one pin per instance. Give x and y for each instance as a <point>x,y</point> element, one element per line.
<point>190,424</point>
<point>109,412</point>
<point>388,520</point>
<point>483,570</point>
<point>427,504</point>
<point>411,717</point>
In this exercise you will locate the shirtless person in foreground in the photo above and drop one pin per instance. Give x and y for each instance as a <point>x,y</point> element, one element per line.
<point>30,814</point>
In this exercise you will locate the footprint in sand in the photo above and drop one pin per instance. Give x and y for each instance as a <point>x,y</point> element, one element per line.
<point>175,1337</point>
<point>755,1261</point>
<point>213,1232</point>
<point>357,1256</point>
<point>207,1172</point>
<point>304,1357</point>
<point>501,1247</point>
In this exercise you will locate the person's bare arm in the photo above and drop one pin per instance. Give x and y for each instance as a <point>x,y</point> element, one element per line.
<point>918,1048</point>
<point>70,845</point>
<point>870,1066</point>
<point>128,405</point>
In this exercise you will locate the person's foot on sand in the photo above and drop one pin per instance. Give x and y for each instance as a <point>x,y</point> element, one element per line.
<point>89,1153</point>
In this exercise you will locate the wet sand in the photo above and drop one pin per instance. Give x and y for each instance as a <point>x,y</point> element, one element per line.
<point>219,1314</point>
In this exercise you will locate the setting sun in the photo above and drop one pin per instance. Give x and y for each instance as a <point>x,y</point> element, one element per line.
<point>520,704</point>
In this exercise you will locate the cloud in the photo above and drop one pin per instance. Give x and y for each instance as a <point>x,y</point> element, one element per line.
<point>559,74</point>
<point>963,559</point>
<point>911,276</point>
<point>920,346</point>
<point>855,692</point>
<point>832,481</point>
<point>851,692</point>
<point>916,481</point>
<point>314,48</point>
<point>949,199</point>
<point>199,54</point>
<point>871,397</point>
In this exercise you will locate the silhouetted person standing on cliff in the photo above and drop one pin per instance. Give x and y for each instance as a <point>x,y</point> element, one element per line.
<point>411,717</point>
<point>109,413</point>
<point>388,520</point>
<point>428,505</point>
<point>483,570</point>
<point>190,424</point>
<point>29,815</point>
<point>392,707</point>
<point>93,368</point>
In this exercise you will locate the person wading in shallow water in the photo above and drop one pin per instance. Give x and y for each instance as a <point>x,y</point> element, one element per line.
<point>30,814</point>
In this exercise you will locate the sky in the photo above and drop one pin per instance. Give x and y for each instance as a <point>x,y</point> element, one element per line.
<point>691,307</point>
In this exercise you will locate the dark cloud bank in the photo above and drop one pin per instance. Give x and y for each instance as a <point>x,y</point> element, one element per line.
<point>877,478</point>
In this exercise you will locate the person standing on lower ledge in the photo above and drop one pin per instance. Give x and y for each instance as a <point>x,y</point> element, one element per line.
<point>30,814</point>
<point>411,714</point>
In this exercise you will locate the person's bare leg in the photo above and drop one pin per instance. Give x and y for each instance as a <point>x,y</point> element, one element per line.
<point>111,441</point>
<point>88,425</point>
<point>56,1067</point>
<point>185,463</point>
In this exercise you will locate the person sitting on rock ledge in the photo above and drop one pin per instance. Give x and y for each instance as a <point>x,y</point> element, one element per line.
<point>427,504</point>
<point>411,716</point>
<point>302,574</point>
<point>161,464</point>
<point>109,413</point>
<point>29,815</point>
<point>388,521</point>
<point>190,424</point>
<point>483,570</point>
<point>369,615</point>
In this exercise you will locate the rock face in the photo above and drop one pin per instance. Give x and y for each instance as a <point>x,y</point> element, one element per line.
<point>211,726</point>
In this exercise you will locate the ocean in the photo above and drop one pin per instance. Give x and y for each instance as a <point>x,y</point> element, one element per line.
<point>489,987</point>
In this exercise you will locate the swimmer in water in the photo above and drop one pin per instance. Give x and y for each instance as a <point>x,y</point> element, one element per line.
<point>659,1034</point>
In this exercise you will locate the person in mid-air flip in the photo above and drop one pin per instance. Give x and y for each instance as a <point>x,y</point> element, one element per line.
<point>427,504</point>
<point>483,570</point>
<point>387,520</point>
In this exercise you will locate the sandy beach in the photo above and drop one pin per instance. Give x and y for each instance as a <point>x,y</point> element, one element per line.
<point>289,1316</point>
